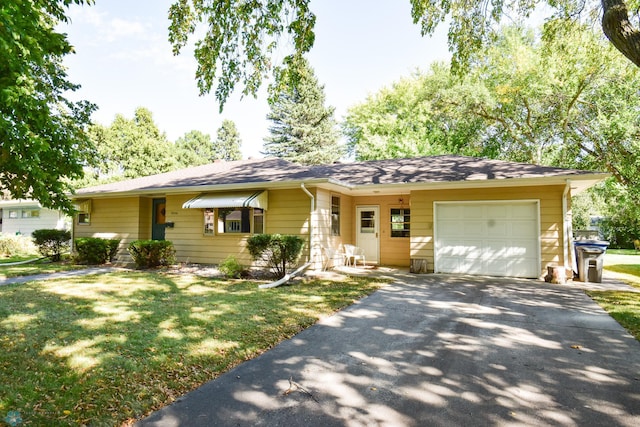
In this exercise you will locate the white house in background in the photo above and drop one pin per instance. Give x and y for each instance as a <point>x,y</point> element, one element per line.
<point>25,216</point>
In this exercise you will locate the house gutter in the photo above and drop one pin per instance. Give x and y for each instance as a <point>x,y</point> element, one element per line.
<point>566,228</point>
<point>313,208</point>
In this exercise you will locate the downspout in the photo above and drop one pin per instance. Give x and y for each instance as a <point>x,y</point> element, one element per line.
<point>313,208</point>
<point>567,247</point>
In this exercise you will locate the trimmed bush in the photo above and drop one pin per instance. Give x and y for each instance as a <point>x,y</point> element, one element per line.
<point>277,251</point>
<point>152,253</point>
<point>231,268</point>
<point>95,251</point>
<point>52,243</point>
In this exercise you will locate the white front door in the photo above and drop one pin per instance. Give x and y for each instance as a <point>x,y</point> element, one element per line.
<point>368,231</point>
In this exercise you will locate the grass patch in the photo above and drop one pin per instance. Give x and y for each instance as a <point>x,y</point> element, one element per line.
<point>623,252</point>
<point>17,258</point>
<point>624,307</point>
<point>106,349</point>
<point>37,267</point>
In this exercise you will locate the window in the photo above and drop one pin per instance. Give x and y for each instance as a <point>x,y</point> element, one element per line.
<point>400,222</point>
<point>31,213</point>
<point>13,214</point>
<point>84,218</point>
<point>335,215</point>
<point>233,220</point>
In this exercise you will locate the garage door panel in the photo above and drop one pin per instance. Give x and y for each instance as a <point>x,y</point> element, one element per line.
<point>499,239</point>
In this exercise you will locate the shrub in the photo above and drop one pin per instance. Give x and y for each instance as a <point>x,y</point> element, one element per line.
<point>11,245</point>
<point>52,243</point>
<point>276,251</point>
<point>152,253</point>
<point>230,267</point>
<point>94,251</point>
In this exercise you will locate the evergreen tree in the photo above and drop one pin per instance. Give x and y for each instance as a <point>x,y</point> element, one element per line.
<point>195,148</point>
<point>228,141</point>
<point>303,130</point>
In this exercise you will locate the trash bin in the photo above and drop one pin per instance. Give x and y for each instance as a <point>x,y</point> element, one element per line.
<point>590,260</point>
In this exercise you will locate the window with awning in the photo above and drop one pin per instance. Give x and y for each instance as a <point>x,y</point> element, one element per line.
<point>237,212</point>
<point>242,199</point>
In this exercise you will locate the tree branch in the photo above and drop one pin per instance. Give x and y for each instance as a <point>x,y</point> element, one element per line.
<point>619,30</point>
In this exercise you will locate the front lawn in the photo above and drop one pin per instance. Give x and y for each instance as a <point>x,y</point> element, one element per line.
<point>107,349</point>
<point>624,307</point>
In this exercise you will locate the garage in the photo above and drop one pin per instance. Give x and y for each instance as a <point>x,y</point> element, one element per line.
<point>498,238</point>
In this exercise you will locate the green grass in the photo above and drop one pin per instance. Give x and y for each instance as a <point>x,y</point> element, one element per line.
<point>17,258</point>
<point>38,267</point>
<point>106,349</point>
<point>624,307</point>
<point>623,252</point>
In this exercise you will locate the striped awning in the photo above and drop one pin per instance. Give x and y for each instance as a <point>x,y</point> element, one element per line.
<point>237,199</point>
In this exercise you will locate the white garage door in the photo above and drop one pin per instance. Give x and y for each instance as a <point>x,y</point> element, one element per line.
<point>487,238</point>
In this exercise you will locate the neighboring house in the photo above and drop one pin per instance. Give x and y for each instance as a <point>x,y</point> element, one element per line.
<point>24,216</point>
<point>449,213</point>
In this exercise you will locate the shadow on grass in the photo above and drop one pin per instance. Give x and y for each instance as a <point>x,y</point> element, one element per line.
<point>103,349</point>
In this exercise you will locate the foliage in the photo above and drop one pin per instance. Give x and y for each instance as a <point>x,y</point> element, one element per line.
<point>43,140</point>
<point>232,268</point>
<point>152,253</point>
<point>106,349</point>
<point>302,129</point>
<point>195,148</point>
<point>277,251</point>
<point>623,306</point>
<point>52,243</point>
<point>95,251</point>
<point>228,141</point>
<point>241,40</point>
<point>12,245</point>
<point>130,148</point>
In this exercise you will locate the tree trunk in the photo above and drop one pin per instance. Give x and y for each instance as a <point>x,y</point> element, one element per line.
<point>621,33</point>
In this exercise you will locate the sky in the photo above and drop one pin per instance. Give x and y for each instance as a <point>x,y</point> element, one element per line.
<point>123,60</point>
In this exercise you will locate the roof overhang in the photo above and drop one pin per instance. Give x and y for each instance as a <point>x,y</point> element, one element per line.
<point>240,199</point>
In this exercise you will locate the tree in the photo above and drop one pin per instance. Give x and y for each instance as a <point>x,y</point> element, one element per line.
<point>195,148</point>
<point>43,140</point>
<point>303,130</point>
<point>241,37</point>
<point>228,141</point>
<point>131,148</point>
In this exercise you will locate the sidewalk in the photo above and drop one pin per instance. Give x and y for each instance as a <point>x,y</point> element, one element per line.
<point>61,275</point>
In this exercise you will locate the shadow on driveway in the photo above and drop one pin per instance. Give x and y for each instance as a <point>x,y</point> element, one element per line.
<point>436,350</point>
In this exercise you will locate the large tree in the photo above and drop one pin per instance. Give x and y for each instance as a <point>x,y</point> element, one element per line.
<point>567,100</point>
<point>228,141</point>
<point>195,148</point>
<point>43,143</point>
<point>130,148</point>
<point>303,129</point>
<point>241,38</point>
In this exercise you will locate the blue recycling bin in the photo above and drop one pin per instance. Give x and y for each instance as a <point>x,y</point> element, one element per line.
<point>590,258</point>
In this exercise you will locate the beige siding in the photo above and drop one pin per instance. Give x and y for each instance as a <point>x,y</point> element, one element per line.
<point>288,213</point>
<point>113,219</point>
<point>323,232</point>
<point>550,197</point>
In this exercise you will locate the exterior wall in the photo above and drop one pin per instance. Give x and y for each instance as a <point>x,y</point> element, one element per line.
<point>114,219</point>
<point>393,250</point>
<point>287,213</point>
<point>48,219</point>
<point>551,221</point>
<point>322,226</point>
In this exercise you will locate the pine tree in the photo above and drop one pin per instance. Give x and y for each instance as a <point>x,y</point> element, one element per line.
<point>303,130</point>
<point>228,141</point>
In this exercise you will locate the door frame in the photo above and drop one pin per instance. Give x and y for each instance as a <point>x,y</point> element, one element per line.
<point>157,229</point>
<point>359,241</point>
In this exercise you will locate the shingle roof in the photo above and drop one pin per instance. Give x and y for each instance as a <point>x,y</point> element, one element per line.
<point>437,169</point>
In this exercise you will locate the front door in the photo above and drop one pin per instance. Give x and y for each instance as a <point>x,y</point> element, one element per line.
<point>158,219</point>
<point>368,231</point>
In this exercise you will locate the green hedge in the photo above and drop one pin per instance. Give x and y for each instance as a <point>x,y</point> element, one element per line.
<point>152,253</point>
<point>94,251</point>
<point>277,251</point>
<point>52,243</point>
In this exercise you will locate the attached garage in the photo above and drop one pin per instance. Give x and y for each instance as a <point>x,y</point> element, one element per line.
<point>498,238</point>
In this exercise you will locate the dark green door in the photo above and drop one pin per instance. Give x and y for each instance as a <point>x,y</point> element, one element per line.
<point>158,220</point>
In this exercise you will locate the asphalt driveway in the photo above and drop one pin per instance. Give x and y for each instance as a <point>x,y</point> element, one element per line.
<point>436,350</point>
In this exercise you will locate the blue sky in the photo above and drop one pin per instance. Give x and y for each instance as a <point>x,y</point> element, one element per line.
<point>123,60</point>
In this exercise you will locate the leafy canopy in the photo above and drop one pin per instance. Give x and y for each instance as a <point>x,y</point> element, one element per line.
<point>43,143</point>
<point>242,38</point>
